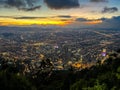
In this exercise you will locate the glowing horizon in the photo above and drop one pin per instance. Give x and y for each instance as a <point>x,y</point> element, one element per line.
<point>63,13</point>
<point>24,22</point>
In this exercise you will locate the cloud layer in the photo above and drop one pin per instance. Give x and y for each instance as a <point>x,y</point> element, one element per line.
<point>31,5</point>
<point>26,5</point>
<point>109,9</point>
<point>62,4</point>
<point>113,22</point>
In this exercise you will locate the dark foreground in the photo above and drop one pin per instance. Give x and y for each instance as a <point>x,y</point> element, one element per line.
<point>104,76</point>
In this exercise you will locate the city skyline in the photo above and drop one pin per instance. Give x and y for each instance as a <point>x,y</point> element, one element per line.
<point>77,13</point>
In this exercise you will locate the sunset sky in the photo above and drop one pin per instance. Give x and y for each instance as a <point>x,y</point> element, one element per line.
<point>60,12</point>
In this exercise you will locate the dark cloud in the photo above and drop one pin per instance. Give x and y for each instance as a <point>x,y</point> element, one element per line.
<point>22,17</point>
<point>31,5</point>
<point>26,5</point>
<point>109,9</point>
<point>99,0</point>
<point>32,8</point>
<point>26,17</point>
<point>64,16</point>
<point>62,4</point>
<point>64,20</point>
<point>81,19</point>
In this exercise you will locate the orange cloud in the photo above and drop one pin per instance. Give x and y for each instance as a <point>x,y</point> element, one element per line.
<point>92,22</point>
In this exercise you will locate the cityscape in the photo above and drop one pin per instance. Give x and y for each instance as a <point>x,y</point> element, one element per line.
<point>59,44</point>
<point>80,48</point>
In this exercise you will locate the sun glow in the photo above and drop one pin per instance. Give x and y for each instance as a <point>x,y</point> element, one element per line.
<point>24,22</point>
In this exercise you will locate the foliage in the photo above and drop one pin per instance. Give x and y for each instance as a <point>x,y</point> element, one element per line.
<point>10,81</point>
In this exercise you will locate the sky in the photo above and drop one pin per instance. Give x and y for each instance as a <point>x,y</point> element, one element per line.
<point>75,13</point>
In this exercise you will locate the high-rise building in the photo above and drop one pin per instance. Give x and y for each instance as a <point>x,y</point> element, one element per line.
<point>104,52</point>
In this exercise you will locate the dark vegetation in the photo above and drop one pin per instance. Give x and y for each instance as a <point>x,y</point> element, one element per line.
<point>104,76</point>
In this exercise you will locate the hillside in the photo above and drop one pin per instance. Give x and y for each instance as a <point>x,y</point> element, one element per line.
<point>104,76</point>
